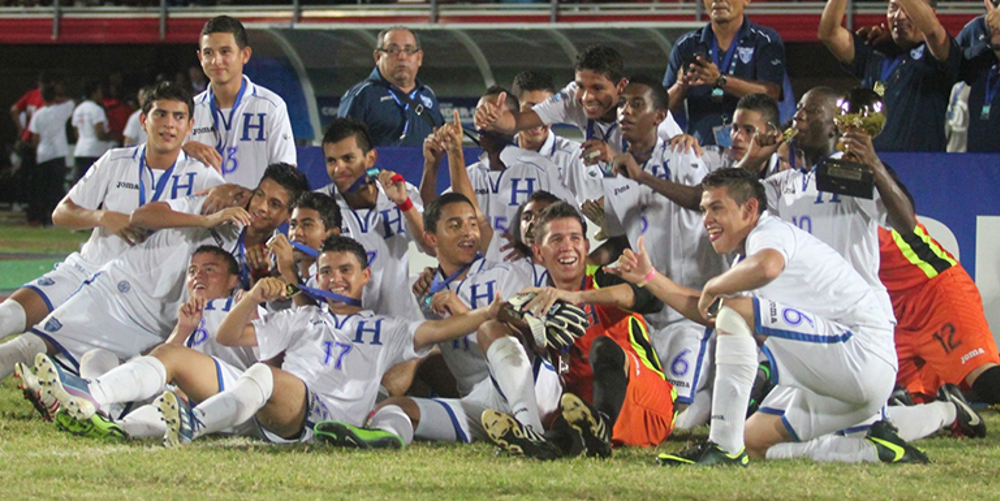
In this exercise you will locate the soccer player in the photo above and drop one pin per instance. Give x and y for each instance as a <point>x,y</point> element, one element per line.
<point>815,318</point>
<point>119,182</point>
<point>333,361</point>
<point>755,118</point>
<point>240,128</point>
<point>648,198</point>
<point>190,358</point>
<point>915,79</point>
<point>615,389</point>
<point>315,216</point>
<point>589,102</point>
<point>379,212</point>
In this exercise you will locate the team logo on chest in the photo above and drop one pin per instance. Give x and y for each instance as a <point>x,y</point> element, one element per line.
<point>745,53</point>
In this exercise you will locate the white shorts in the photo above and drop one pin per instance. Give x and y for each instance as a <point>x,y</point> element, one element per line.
<point>316,411</point>
<point>56,286</point>
<point>828,378</point>
<point>686,351</point>
<point>226,374</point>
<point>464,414</point>
<point>97,318</point>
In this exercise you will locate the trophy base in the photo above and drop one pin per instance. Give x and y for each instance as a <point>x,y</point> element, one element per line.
<point>845,177</point>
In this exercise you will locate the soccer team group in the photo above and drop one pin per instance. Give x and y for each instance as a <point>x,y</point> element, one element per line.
<point>726,290</point>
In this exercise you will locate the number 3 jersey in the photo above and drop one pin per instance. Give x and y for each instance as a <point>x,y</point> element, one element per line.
<point>203,338</point>
<point>339,357</point>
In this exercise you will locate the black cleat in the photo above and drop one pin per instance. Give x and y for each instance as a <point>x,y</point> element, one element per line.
<point>592,426</point>
<point>968,423</point>
<point>704,454</point>
<point>762,386</point>
<point>515,438</point>
<point>891,448</point>
<point>900,397</point>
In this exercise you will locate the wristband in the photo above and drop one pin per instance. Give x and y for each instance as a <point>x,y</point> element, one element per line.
<point>646,280</point>
<point>405,206</point>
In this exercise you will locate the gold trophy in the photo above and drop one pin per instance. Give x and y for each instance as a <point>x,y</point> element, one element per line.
<point>860,109</point>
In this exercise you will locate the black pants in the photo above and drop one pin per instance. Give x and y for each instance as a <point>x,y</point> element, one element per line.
<point>46,190</point>
<point>82,166</point>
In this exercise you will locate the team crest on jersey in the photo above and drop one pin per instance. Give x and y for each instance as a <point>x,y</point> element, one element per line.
<point>428,103</point>
<point>45,281</point>
<point>124,286</point>
<point>53,325</point>
<point>918,52</point>
<point>745,53</point>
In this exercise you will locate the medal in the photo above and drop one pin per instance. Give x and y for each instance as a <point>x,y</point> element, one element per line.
<point>985,113</point>
<point>879,88</point>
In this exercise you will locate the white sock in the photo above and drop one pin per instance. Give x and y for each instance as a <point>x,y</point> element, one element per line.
<point>392,419</point>
<point>96,362</point>
<point>139,379</point>
<point>22,349</point>
<point>696,413</point>
<point>12,318</point>
<point>238,404</point>
<point>919,421</point>
<point>832,448</point>
<point>144,422</point>
<point>511,370</point>
<point>735,369</point>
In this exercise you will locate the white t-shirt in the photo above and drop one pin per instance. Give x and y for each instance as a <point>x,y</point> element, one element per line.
<point>382,231</point>
<point>717,157</point>
<point>49,123</point>
<point>113,183</point>
<point>585,182</point>
<point>203,338</point>
<point>564,108</point>
<point>250,136</point>
<point>464,357</point>
<point>340,358</point>
<point>848,224</point>
<point>677,242</point>
<point>133,128</point>
<point>86,115</point>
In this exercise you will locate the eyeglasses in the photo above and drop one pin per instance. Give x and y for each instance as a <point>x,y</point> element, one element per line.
<point>395,51</point>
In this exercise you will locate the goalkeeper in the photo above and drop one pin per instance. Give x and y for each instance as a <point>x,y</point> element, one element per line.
<point>615,390</point>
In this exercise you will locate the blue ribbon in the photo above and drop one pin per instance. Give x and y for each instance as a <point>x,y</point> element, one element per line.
<point>160,185</point>
<point>320,294</point>
<point>216,114</point>
<point>305,249</point>
<point>992,86</point>
<point>889,67</point>
<point>438,285</point>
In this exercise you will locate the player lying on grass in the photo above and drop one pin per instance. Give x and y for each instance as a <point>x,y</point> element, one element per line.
<point>615,389</point>
<point>814,317</point>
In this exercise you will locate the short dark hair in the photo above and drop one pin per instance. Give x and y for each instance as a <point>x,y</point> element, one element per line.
<point>288,177</point>
<point>741,184</point>
<point>168,91</point>
<point>602,59</point>
<point>528,81</point>
<point>512,103</point>
<point>558,210</point>
<point>227,24</point>
<point>661,100</point>
<point>763,104</point>
<point>432,213</point>
<point>232,267</point>
<point>49,93</point>
<point>90,86</point>
<point>398,27</point>
<point>341,128</point>
<point>325,205</point>
<point>340,243</point>
<point>537,196</point>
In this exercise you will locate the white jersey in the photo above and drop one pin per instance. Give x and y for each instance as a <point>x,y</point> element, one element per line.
<point>133,128</point>
<point>848,224</point>
<point>150,276</point>
<point>675,237</point>
<point>342,358</point>
<point>250,136</point>
<point>120,180</point>
<point>382,231</point>
<point>563,107</point>
<point>87,115</point>
<point>49,123</point>
<point>583,181</point>
<point>718,157</point>
<point>465,359</point>
<point>203,338</point>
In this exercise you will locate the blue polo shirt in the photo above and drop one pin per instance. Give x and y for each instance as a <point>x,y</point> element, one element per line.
<point>379,104</point>
<point>759,55</point>
<point>984,130</point>
<point>917,87</point>
<point>974,33</point>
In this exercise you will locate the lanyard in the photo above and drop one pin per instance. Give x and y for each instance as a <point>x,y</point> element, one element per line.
<point>727,61</point>
<point>160,185</point>
<point>244,265</point>
<point>305,249</point>
<point>807,172</point>
<point>320,294</point>
<point>992,86</point>
<point>406,107</point>
<point>889,67</point>
<point>217,114</point>
<point>592,130</point>
<point>437,285</point>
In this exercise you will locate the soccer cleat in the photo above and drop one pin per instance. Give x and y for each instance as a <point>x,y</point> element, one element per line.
<point>181,423</point>
<point>704,454</point>
<point>890,447</point>
<point>762,386</point>
<point>591,425</point>
<point>345,435</point>
<point>900,396</point>
<point>515,438</point>
<point>71,391</point>
<point>968,423</point>
<point>29,385</point>
<point>95,427</point>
